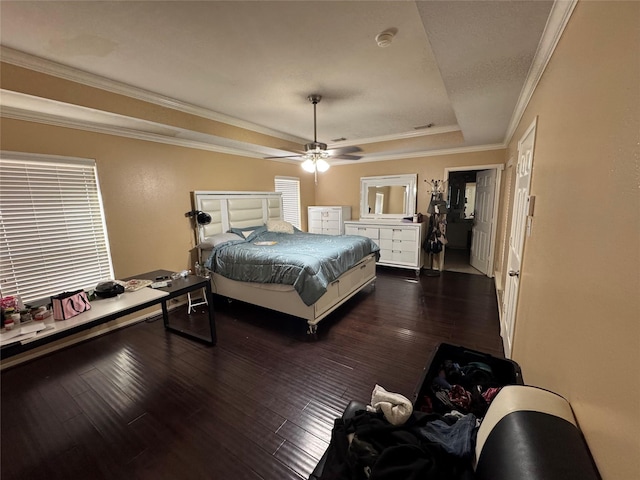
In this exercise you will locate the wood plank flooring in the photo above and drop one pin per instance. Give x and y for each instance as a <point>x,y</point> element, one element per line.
<point>142,403</point>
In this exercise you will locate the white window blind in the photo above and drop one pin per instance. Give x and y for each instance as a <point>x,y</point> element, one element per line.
<point>53,237</point>
<point>290,189</point>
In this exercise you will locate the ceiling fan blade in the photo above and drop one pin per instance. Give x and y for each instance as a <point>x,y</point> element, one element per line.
<point>318,150</point>
<point>342,150</point>
<point>284,156</point>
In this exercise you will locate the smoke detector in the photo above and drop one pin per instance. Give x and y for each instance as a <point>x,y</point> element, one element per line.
<point>385,38</point>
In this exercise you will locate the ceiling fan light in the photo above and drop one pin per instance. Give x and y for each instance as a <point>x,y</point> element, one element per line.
<point>309,166</point>
<point>322,165</point>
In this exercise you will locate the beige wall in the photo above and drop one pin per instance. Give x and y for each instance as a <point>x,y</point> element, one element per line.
<point>146,188</point>
<point>578,318</point>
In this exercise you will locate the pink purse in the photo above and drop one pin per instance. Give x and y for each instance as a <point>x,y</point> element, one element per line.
<point>69,304</point>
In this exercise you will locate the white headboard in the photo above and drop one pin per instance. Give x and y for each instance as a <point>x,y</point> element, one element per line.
<point>236,209</point>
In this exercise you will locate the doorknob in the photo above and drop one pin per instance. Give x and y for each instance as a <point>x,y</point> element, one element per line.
<point>514,273</point>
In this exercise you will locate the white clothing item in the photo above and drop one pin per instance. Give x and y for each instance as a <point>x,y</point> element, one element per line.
<point>396,408</point>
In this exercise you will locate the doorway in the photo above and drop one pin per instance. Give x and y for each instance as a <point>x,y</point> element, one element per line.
<point>472,205</point>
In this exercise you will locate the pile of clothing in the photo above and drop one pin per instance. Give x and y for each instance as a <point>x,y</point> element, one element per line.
<point>469,388</point>
<point>390,441</point>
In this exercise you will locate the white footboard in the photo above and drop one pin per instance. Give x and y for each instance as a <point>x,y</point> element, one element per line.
<point>286,300</point>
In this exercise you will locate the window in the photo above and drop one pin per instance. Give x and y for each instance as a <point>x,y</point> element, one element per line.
<point>52,232</point>
<point>290,189</point>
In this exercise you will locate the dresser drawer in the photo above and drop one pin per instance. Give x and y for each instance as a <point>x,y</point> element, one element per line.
<point>397,256</point>
<point>357,276</point>
<point>370,232</point>
<point>331,215</point>
<point>328,299</point>
<point>315,224</point>
<point>331,224</point>
<point>346,284</point>
<point>409,234</point>
<point>398,245</point>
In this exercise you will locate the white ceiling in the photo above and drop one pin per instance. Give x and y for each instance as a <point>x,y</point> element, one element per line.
<point>459,65</point>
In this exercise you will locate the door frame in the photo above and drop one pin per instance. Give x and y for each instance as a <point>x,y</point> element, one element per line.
<point>498,167</point>
<point>508,335</point>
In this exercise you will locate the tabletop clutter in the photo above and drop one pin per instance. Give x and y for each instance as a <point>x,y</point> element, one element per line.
<point>15,313</point>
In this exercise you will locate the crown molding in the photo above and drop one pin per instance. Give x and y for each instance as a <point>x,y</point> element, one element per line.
<point>561,11</point>
<point>38,64</point>
<point>422,154</point>
<point>29,108</point>
<point>48,119</point>
<point>20,106</point>
<point>397,136</point>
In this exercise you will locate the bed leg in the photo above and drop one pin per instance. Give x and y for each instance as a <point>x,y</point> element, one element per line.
<point>312,329</point>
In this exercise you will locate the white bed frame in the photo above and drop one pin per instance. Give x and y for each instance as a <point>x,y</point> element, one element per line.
<point>246,209</point>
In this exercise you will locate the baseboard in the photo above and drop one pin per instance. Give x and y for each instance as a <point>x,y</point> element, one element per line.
<point>497,275</point>
<point>500,298</point>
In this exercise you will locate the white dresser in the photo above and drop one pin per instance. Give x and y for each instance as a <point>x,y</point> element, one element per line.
<point>328,220</point>
<point>400,243</point>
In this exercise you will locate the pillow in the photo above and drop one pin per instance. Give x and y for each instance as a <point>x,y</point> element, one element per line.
<point>215,240</point>
<point>280,226</point>
<point>248,233</point>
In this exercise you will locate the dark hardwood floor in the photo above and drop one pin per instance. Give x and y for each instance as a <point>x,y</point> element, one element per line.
<point>141,403</point>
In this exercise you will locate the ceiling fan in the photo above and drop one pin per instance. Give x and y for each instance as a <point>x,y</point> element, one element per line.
<point>316,153</point>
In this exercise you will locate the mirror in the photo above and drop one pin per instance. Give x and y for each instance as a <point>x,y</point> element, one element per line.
<point>388,197</point>
<point>469,200</point>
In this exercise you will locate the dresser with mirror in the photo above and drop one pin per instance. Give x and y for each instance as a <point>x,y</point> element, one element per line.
<point>386,202</point>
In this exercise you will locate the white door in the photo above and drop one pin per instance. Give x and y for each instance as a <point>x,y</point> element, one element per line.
<point>483,220</point>
<point>516,239</point>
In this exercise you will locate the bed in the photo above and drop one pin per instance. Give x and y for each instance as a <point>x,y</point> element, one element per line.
<point>253,256</point>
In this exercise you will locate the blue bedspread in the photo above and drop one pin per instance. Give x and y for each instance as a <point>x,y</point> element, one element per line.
<point>309,262</point>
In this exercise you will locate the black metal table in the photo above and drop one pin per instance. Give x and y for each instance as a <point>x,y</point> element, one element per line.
<point>110,309</point>
<point>183,286</point>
